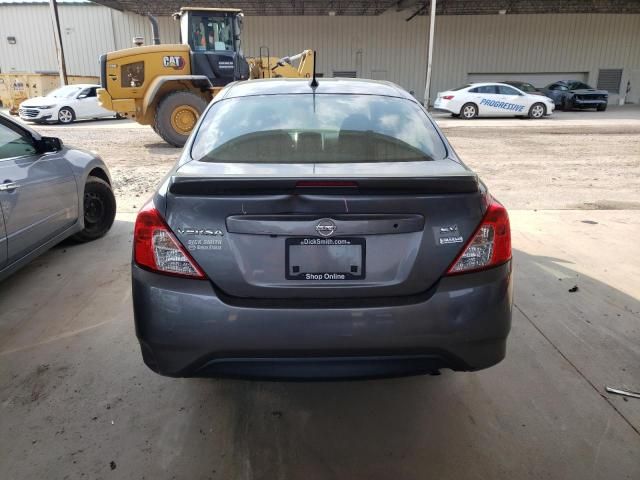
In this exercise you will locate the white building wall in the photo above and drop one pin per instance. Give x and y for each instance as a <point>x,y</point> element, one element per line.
<point>87,32</point>
<point>388,47</point>
<point>383,47</point>
<point>504,44</point>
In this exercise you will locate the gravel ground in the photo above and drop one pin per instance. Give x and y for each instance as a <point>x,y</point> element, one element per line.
<point>557,165</point>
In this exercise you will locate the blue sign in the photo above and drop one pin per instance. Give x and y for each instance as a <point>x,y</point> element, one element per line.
<point>503,105</point>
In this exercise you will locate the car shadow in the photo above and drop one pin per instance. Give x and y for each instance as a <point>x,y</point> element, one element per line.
<point>161,146</point>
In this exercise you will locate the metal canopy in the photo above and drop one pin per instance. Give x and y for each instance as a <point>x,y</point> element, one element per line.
<point>377,7</point>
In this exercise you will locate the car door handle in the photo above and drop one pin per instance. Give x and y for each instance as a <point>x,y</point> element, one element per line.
<point>8,186</point>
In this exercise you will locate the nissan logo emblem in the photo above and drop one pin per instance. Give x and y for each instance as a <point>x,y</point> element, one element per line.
<point>326,227</point>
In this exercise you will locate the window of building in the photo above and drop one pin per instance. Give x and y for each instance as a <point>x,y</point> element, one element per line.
<point>345,73</point>
<point>609,79</point>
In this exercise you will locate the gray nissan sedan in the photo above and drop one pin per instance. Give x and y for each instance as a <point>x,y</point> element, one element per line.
<point>327,232</point>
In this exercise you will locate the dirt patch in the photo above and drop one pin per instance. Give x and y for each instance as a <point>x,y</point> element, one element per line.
<point>542,169</point>
<point>551,167</point>
<point>36,385</point>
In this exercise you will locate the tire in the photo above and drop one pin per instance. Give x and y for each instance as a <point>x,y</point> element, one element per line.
<point>66,115</point>
<point>176,116</point>
<point>98,208</point>
<point>469,111</point>
<point>537,110</point>
<point>566,105</point>
<point>601,108</point>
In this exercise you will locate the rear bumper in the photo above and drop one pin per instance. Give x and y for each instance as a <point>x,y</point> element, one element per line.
<point>445,106</point>
<point>186,329</point>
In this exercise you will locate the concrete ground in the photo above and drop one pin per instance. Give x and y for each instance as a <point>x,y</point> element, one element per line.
<point>77,402</point>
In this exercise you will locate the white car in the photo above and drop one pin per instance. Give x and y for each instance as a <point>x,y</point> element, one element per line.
<point>492,100</point>
<point>64,105</point>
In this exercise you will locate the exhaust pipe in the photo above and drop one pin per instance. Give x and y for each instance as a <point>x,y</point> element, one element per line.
<point>154,29</point>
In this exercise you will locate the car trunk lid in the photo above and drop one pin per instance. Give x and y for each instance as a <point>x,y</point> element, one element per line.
<point>324,230</point>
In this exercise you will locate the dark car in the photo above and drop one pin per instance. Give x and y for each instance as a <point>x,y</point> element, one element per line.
<point>48,192</point>
<point>569,94</point>
<point>320,233</point>
<point>524,86</point>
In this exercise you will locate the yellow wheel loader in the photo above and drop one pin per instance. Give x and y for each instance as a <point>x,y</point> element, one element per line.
<point>169,86</point>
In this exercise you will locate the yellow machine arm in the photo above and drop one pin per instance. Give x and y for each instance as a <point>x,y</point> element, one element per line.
<point>272,67</point>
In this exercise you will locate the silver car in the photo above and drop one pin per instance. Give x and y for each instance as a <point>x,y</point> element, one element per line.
<point>48,192</point>
<point>320,233</point>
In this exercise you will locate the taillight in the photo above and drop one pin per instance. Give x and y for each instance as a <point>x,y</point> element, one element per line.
<point>155,247</point>
<point>490,245</point>
<point>448,97</point>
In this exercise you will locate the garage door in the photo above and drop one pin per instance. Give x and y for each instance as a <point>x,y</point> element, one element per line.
<point>536,79</point>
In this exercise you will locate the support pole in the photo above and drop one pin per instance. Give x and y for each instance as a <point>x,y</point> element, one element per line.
<point>432,26</point>
<point>62,67</point>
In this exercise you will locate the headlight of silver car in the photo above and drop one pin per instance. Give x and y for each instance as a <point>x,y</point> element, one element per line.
<point>45,107</point>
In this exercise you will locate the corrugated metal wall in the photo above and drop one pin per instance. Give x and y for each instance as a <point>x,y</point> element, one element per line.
<point>128,25</point>
<point>534,43</point>
<point>87,31</point>
<point>383,47</point>
<point>390,48</point>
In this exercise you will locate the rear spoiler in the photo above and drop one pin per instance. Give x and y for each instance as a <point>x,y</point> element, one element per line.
<point>327,186</point>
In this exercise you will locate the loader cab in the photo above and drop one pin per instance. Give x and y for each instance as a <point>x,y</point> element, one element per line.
<point>213,36</point>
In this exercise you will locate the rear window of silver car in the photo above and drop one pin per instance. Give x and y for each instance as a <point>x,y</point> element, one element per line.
<point>321,128</point>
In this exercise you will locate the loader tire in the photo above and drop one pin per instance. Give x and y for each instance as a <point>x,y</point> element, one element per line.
<point>176,116</point>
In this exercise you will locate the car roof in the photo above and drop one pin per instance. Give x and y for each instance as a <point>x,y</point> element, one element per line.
<point>281,86</point>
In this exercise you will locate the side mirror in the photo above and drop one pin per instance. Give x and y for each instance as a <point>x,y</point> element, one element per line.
<point>80,97</point>
<point>237,24</point>
<point>49,144</point>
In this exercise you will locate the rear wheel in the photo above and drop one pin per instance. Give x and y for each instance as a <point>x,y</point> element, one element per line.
<point>469,111</point>
<point>66,115</point>
<point>176,116</point>
<point>601,108</point>
<point>566,105</point>
<point>537,110</point>
<point>99,210</point>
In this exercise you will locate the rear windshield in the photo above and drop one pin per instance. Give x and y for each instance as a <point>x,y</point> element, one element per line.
<point>321,128</point>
